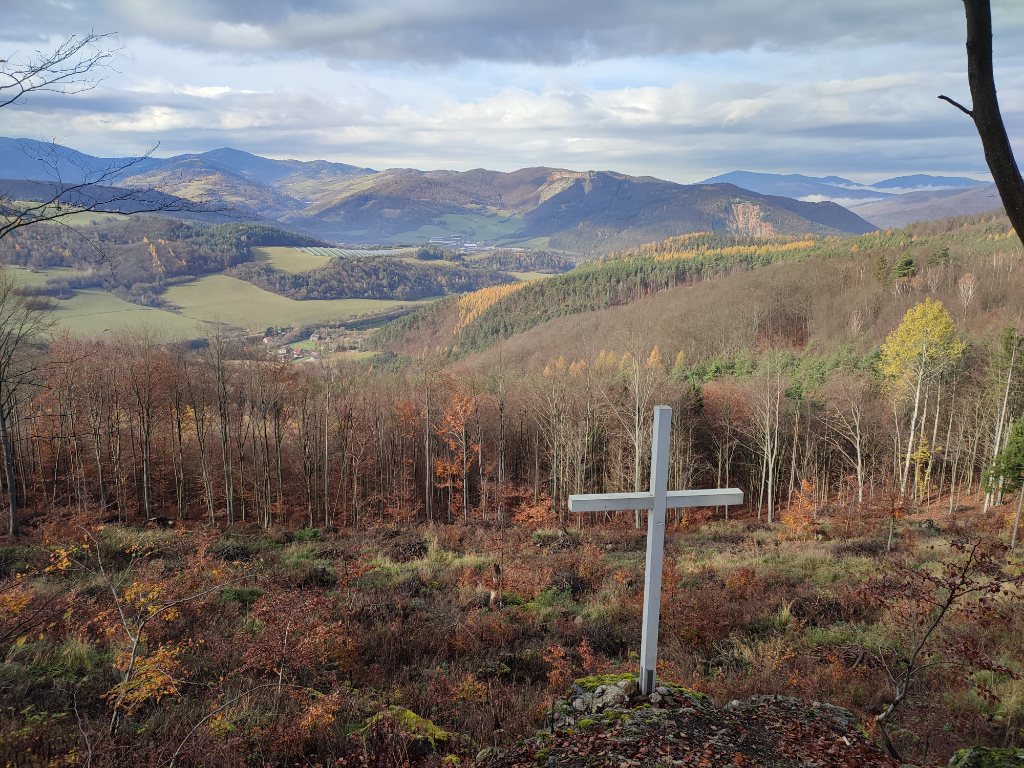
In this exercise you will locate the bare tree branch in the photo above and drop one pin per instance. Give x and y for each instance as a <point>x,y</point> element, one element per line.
<point>77,183</point>
<point>959,106</point>
<point>74,67</point>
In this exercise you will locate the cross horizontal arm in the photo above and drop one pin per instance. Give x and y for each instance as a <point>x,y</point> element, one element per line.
<point>609,502</point>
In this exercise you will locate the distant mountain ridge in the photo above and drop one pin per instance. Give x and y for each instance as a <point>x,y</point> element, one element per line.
<point>269,188</point>
<point>836,188</point>
<point>586,213</point>
<point>27,159</point>
<point>908,208</point>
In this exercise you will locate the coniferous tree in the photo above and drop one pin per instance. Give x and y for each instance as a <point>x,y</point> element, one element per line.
<point>905,267</point>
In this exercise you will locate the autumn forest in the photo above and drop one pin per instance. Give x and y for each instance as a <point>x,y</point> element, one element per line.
<point>217,558</point>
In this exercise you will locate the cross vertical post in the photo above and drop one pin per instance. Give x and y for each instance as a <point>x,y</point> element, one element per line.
<point>657,501</point>
<point>655,547</point>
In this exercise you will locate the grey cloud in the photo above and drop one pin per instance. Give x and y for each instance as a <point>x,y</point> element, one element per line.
<point>515,129</point>
<point>807,112</point>
<point>543,31</point>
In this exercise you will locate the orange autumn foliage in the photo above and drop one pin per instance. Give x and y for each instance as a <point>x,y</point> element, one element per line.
<point>472,305</point>
<point>798,518</point>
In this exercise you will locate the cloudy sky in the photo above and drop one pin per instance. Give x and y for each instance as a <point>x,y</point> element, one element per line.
<point>679,89</point>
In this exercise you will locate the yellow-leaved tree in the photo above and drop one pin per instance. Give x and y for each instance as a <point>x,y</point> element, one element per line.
<point>923,346</point>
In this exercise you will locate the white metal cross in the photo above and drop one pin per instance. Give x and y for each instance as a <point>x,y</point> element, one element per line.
<point>657,501</point>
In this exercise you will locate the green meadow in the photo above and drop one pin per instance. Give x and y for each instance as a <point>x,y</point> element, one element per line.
<point>198,303</point>
<point>495,224</point>
<point>535,243</point>
<point>287,259</point>
<point>228,300</point>
<point>90,313</point>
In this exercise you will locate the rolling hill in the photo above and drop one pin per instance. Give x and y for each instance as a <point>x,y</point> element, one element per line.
<point>586,213</point>
<point>583,213</point>
<point>109,270</point>
<point>796,290</point>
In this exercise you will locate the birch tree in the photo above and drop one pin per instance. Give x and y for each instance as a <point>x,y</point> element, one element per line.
<point>766,405</point>
<point>920,349</point>
<point>846,414</point>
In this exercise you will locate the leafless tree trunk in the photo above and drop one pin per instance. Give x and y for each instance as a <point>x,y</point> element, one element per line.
<point>986,114</point>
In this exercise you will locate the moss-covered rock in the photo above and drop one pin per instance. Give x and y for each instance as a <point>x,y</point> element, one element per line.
<point>414,725</point>
<point>678,690</point>
<point>592,683</point>
<point>987,757</point>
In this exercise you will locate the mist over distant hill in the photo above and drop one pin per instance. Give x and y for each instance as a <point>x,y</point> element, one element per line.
<point>893,202</point>
<point>905,209</point>
<point>836,188</point>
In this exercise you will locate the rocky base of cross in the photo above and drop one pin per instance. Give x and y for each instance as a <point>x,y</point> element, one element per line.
<point>606,721</point>
<point>620,693</point>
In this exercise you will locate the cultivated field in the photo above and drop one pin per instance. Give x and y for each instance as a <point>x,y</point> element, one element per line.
<point>290,260</point>
<point>295,260</point>
<point>355,253</point>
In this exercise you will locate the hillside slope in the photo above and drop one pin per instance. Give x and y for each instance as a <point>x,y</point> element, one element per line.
<point>197,177</point>
<point>682,295</point>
